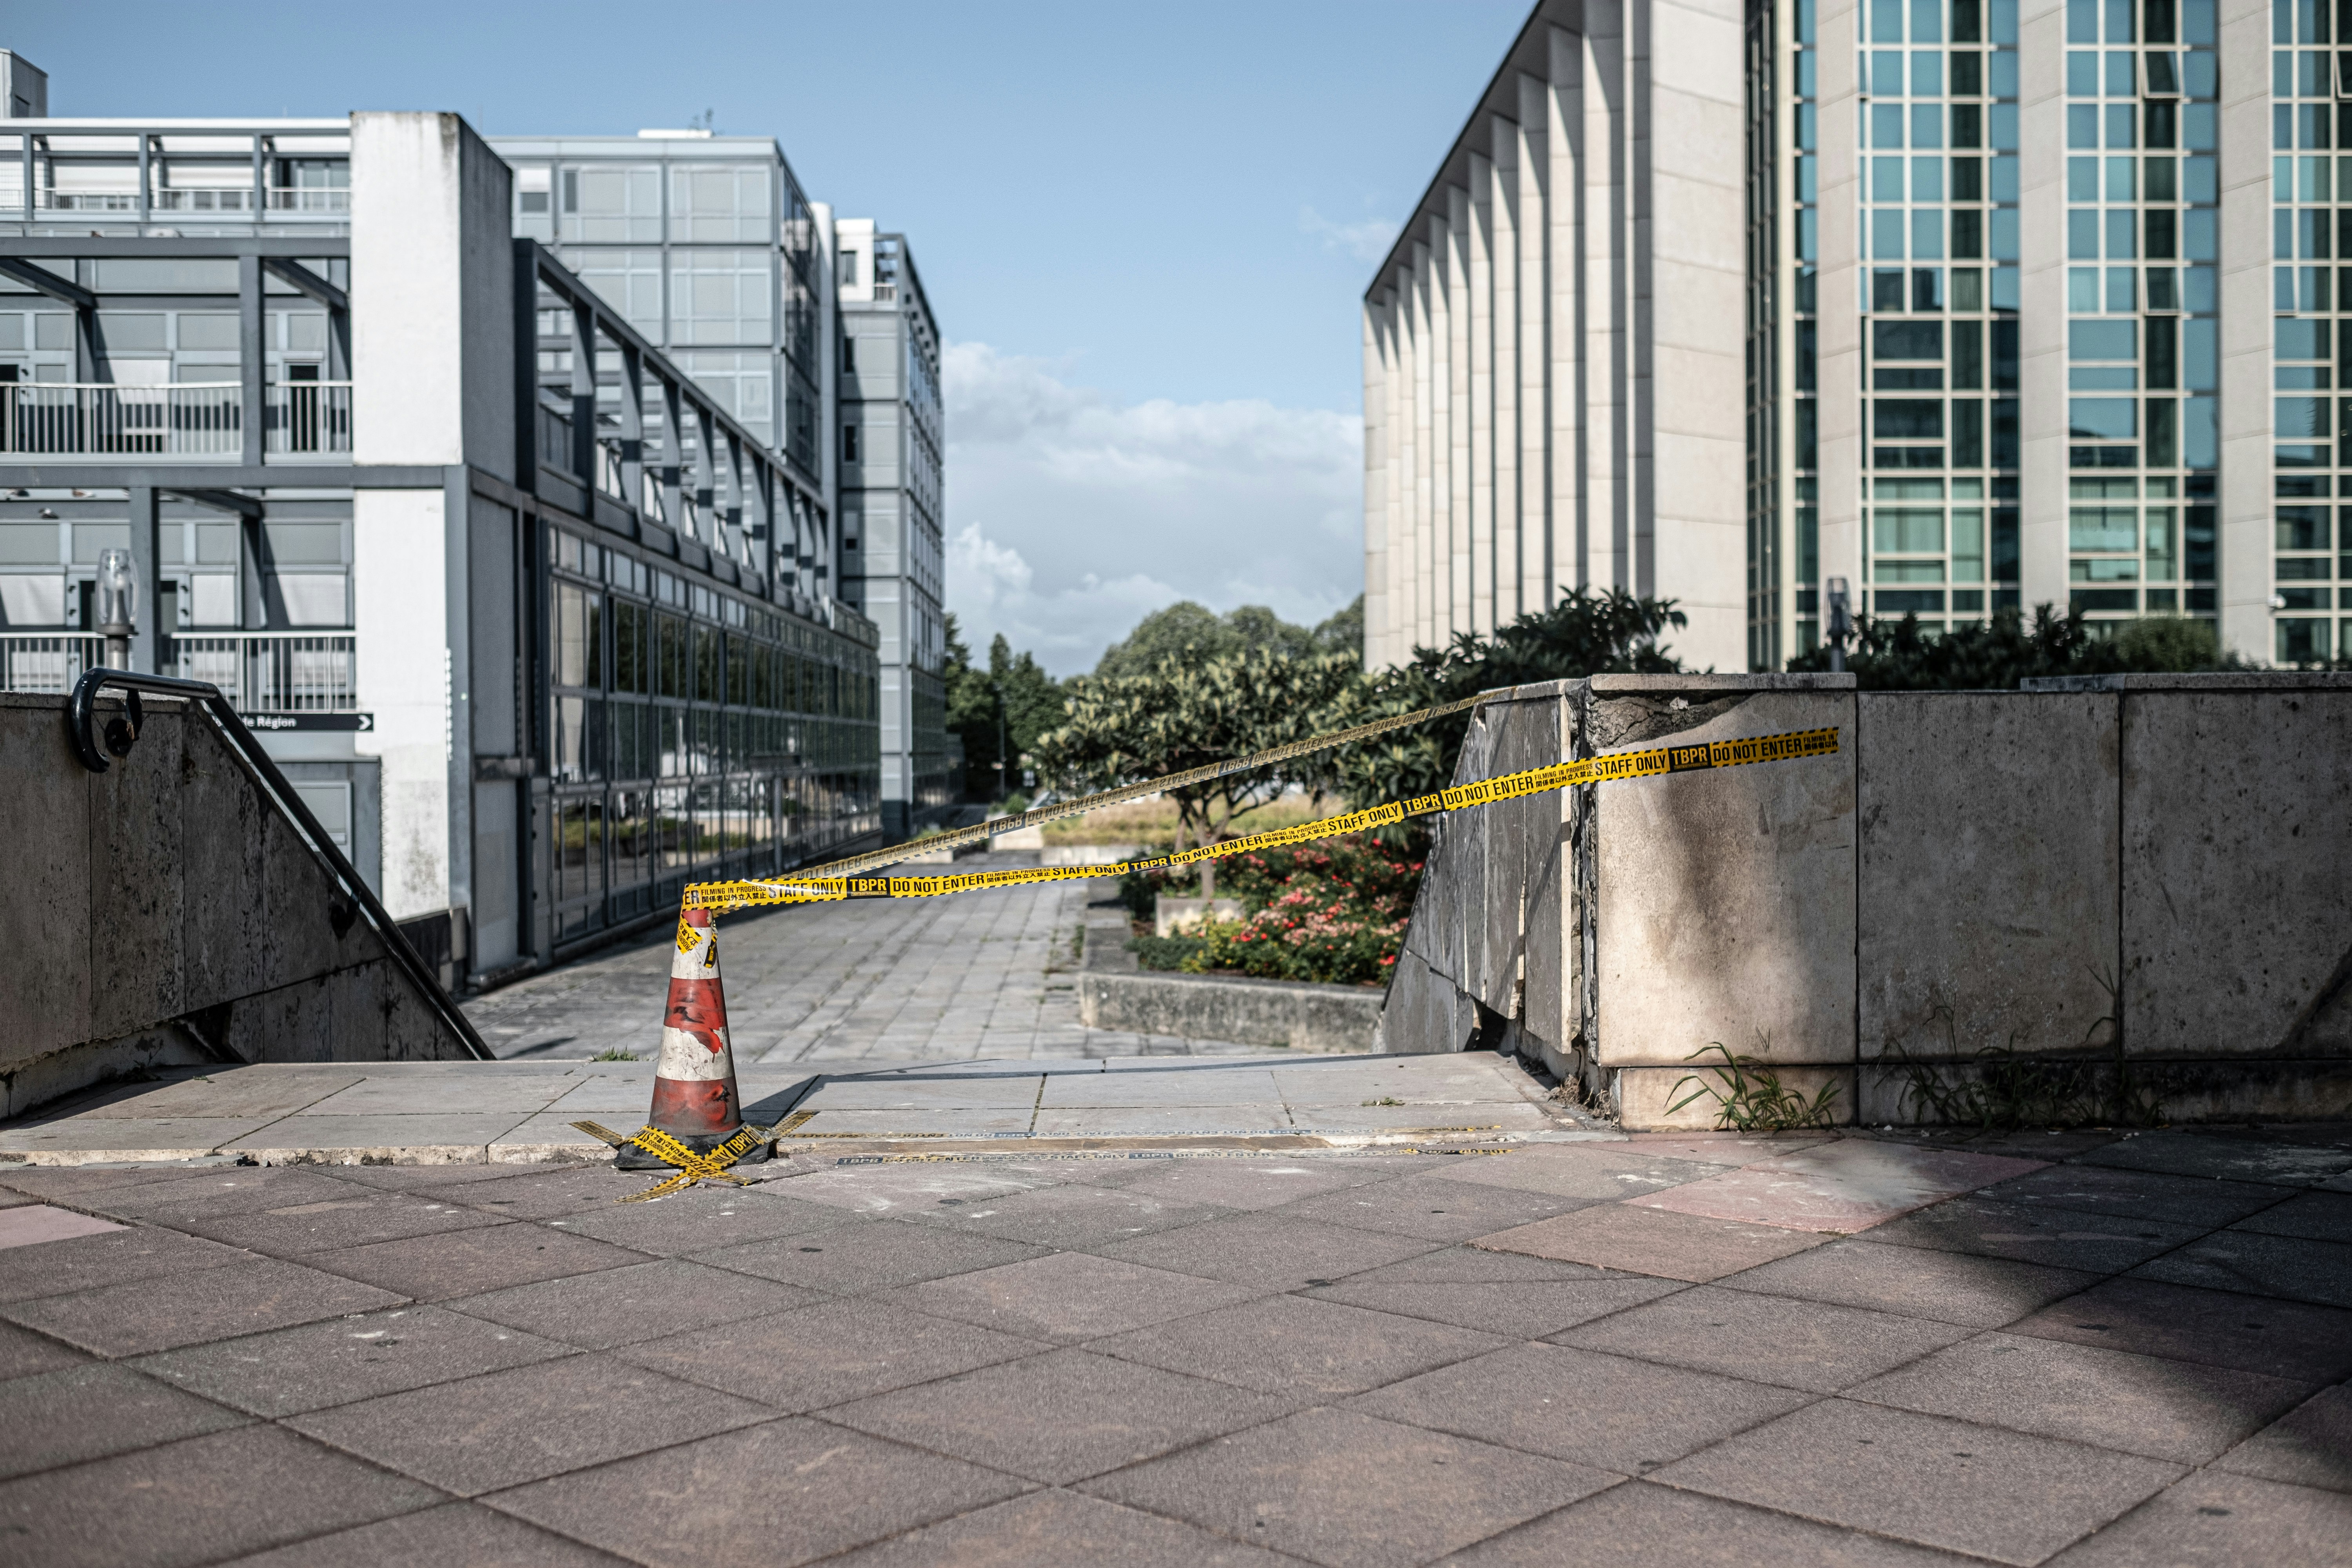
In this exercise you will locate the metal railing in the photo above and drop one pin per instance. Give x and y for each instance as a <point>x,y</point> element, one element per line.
<point>272,672</point>
<point>187,419</point>
<point>230,199</point>
<point>47,662</point>
<point>354,898</point>
<point>179,419</point>
<point>310,417</point>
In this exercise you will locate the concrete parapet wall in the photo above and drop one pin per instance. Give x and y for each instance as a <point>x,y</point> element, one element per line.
<point>163,913</point>
<point>1114,994</point>
<point>2096,895</point>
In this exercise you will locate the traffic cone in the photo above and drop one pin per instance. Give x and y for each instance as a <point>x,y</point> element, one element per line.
<point>694,1099</point>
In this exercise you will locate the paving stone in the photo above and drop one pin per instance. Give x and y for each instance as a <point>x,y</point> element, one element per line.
<point>24,1354</point>
<point>542,1193</point>
<point>2310,1445</point>
<point>1640,1526</point>
<point>262,1090</point>
<point>1431,1207</point>
<point>1338,1486</point>
<point>2296,1268</point>
<point>2320,1216</point>
<point>2096,1244</point>
<point>1846,1186</point>
<point>469,1262</point>
<point>54,1182</point>
<point>1069,1297</point>
<point>1068,1215</point>
<point>1722,1149</point>
<point>1810,1345</point>
<point>820,1489</point>
<point>1598,1171</point>
<point>2218,1521</point>
<point>1476,1265</point>
<point>504,1428</point>
<point>221,1192</point>
<point>1061,1416</point>
<point>1288,1344</point>
<point>862,1256</point>
<point>1939,1482</point>
<point>623,1306</point>
<point>700,1218</point>
<point>1609,1412</point>
<point>1650,1241</point>
<point>1948,1287</point>
<point>1241,1184</point>
<point>828,1354</point>
<point>415,1178</point>
<point>85,1262</point>
<point>242,1298</point>
<point>2198,1202</point>
<point>2141,1405</point>
<point>346,1359</point>
<point>30,1224</point>
<point>354,1216</point>
<point>1267,1252</point>
<point>1529,1309</point>
<point>2278,1163</point>
<point>454,1533</point>
<point>89,1412</point>
<point>1060,1530</point>
<point>2278,1339</point>
<point>196,1501</point>
<point>919,1190</point>
<point>95,1139</point>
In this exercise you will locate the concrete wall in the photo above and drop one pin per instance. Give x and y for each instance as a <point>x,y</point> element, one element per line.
<point>2130,887</point>
<point>163,914</point>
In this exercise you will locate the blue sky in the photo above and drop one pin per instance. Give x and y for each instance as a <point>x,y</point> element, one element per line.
<point>1144,229</point>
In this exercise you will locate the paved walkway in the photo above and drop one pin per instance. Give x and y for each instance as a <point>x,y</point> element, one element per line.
<point>979,974</point>
<point>2077,1349</point>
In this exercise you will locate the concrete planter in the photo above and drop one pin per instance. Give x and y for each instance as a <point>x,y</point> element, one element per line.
<point>1247,1012</point>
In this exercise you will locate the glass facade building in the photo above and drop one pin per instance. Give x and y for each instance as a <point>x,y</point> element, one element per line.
<point>2040,304</point>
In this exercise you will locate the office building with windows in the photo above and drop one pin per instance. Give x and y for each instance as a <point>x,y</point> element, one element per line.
<point>543,619</point>
<point>2037,302</point>
<point>893,547</point>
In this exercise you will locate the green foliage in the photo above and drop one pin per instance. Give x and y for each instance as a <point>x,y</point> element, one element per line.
<point>1749,1097</point>
<point>1584,634</point>
<point>616,1054</point>
<point>1187,713</point>
<point>1896,655</point>
<point>1164,952</point>
<point>1333,912</point>
<point>1343,632</point>
<point>1031,704</point>
<point>1193,633</point>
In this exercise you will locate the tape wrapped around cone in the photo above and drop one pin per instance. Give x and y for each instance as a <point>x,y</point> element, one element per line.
<point>695,1097</point>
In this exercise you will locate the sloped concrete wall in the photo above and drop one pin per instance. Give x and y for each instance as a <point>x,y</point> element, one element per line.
<point>163,913</point>
<point>2130,885</point>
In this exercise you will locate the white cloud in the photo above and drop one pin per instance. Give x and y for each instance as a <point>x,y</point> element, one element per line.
<point>1366,241</point>
<point>1071,516</point>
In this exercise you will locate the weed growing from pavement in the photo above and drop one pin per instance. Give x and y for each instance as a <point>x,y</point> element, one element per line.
<point>616,1055</point>
<point>1750,1096</point>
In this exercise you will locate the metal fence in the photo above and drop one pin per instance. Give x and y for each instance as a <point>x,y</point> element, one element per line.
<point>260,672</point>
<point>48,664</point>
<point>310,417</point>
<point>188,419</point>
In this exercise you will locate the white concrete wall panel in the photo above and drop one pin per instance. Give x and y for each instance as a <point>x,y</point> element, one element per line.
<point>400,590</point>
<point>2246,330</point>
<point>2043,474</point>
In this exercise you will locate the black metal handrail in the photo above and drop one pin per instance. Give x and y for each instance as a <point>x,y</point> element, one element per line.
<point>122,732</point>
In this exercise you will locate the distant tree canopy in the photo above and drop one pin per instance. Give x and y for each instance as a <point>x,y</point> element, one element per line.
<point>1032,701</point>
<point>1897,656</point>
<point>1185,629</point>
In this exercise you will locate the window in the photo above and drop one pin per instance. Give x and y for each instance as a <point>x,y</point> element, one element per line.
<point>849,354</point>
<point>849,444</point>
<point>849,270</point>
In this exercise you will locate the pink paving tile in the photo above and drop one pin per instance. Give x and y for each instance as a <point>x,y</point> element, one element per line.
<point>29,1223</point>
<point>1846,1186</point>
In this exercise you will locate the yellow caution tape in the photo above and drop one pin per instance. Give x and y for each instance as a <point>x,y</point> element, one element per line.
<point>692,1168</point>
<point>1616,766</point>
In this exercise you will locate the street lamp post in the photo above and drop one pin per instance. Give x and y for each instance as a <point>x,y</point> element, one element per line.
<point>118,601</point>
<point>1841,622</point>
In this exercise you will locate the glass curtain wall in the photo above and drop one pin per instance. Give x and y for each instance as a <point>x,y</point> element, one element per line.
<point>2142,248</point>
<point>2311,197</point>
<point>1938,231</point>
<point>693,736</point>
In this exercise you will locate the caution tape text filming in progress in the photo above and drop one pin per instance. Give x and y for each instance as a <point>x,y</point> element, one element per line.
<point>1607,769</point>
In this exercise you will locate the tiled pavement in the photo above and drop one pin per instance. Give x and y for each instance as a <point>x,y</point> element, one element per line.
<point>871,980</point>
<point>2080,1349</point>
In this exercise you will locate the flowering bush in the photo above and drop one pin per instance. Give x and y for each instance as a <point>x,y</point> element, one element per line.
<point>1334,912</point>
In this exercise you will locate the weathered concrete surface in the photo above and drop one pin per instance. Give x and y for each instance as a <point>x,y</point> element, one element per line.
<point>1987,893</point>
<point>1723,901</point>
<point>1302,1017</point>
<point>164,913</point>
<point>2236,893</point>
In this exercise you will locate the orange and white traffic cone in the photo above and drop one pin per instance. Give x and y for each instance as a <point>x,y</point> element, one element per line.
<point>695,1097</point>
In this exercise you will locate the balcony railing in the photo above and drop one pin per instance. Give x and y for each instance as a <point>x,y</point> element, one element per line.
<point>308,417</point>
<point>271,672</point>
<point>184,419</point>
<point>234,199</point>
<point>261,672</point>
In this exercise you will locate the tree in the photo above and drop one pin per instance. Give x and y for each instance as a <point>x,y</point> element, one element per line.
<point>1013,688</point>
<point>1584,634</point>
<point>1897,656</point>
<point>1186,713</point>
<point>1187,630</point>
<point>1344,632</point>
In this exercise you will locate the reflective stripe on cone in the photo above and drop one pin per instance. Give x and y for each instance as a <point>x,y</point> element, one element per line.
<point>694,1083</point>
